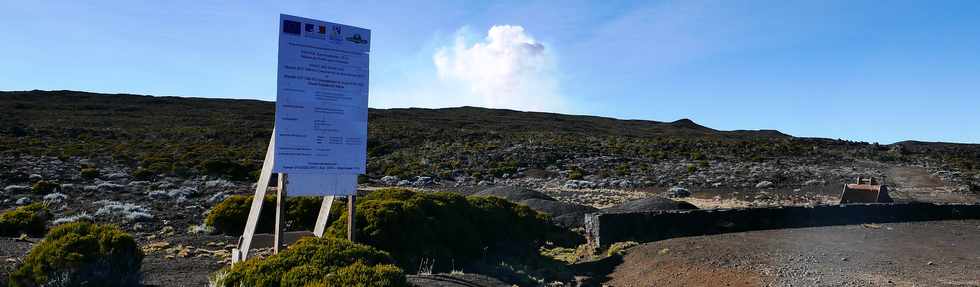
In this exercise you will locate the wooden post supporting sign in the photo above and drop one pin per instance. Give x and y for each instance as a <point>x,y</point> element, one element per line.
<point>280,210</point>
<point>245,242</point>
<point>321,219</point>
<point>350,217</point>
<point>279,239</point>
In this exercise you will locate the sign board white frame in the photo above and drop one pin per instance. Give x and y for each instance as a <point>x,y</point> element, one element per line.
<point>321,97</point>
<point>330,123</point>
<point>245,243</point>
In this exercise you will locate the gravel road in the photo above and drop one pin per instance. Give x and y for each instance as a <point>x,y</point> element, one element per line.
<point>935,253</point>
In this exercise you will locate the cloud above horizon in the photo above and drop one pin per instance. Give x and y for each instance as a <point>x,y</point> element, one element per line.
<point>507,69</point>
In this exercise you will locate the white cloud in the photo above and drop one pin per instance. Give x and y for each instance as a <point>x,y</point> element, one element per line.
<point>507,69</point>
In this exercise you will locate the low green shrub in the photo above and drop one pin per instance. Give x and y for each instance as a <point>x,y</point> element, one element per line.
<point>90,173</point>
<point>43,187</point>
<point>619,248</point>
<point>361,275</point>
<point>446,229</point>
<point>143,174</point>
<point>232,169</point>
<point>81,254</point>
<point>623,170</point>
<point>159,167</point>
<point>301,211</point>
<point>697,156</point>
<point>318,262</point>
<point>230,215</point>
<point>29,219</point>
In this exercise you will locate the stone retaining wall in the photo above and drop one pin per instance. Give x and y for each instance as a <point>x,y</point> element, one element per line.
<point>607,228</point>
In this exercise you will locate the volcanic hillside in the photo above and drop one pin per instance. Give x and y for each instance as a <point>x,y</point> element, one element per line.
<point>222,137</point>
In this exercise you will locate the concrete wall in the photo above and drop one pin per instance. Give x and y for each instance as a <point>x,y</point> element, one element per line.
<point>607,228</point>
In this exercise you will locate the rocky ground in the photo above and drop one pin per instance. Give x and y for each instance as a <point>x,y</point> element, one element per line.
<point>166,214</point>
<point>683,173</point>
<point>938,253</point>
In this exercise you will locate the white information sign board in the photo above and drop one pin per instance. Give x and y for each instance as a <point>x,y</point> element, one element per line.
<point>322,98</point>
<point>319,143</point>
<point>322,184</point>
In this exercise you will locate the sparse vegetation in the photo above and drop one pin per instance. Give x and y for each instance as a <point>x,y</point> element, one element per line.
<point>81,254</point>
<point>359,274</point>
<point>569,255</point>
<point>317,262</point>
<point>143,174</point>
<point>448,229</point>
<point>120,212</point>
<point>619,247</point>
<point>227,138</point>
<point>43,187</point>
<point>158,138</point>
<point>233,169</point>
<point>89,173</point>
<point>230,215</point>
<point>575,174</point>
<point>29,219</point>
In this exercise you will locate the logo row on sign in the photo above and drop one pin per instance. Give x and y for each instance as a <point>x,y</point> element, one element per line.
<point>319,31</point>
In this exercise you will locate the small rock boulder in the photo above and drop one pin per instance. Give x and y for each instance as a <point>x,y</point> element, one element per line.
<point>23,201</point>
<point>68,187</point>
<point>577,184</point>
<point>183,191</point>
<point>158,194</point>
<point>678,192</point>
<point>389,180</point>
<point>218,197</point>
<point>116,176</point>
<point>625,183</point>
<point>218,183</point>
<point>814,182</point>
<point>16,189</point>
<point>423,181</point>
<point>110,187</point>
<point>56,197</point>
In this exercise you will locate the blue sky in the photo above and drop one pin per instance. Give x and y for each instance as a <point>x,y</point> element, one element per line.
<point>878,71</point>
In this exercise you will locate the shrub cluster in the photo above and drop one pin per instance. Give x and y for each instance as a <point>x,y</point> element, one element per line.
<point>89,173</point>
<point>44,187</point>
<point>29,219</point>
<point>143,174</point>
<point>445,229</point>
<point>230,215</point>
<point>318,262</point>
<point>81,254</point>
<point>575,174</point>
<point>232,169</point>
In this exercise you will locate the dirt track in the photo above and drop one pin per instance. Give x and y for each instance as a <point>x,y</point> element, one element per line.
<point>938,253</point>
<point>908,183</point>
